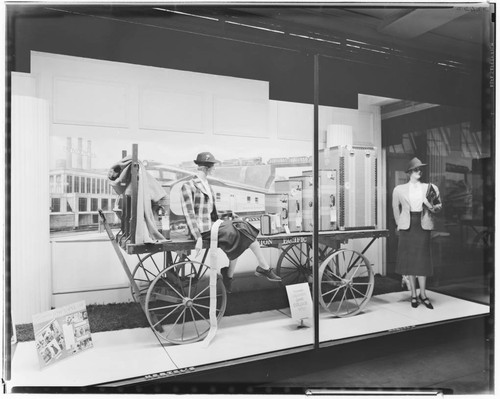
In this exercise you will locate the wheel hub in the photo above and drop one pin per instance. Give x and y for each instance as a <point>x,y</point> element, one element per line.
<point>188,302</point>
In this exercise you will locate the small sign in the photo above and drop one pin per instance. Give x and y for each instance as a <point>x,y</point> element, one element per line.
<point>287,229</point>
<point>61,333</point>
<point>301,306</point>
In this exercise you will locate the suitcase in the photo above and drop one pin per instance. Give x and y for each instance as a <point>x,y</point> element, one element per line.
<point>328,211</point>
<point>277,203</point>
<point>270,224</point>
<point>307,201</point>
<point>356,168</point>
<point>294,190</point>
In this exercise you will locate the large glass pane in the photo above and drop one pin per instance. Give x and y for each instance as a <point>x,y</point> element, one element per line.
<point>458,161</point>
<point>263,149</point>
<point>255,86</point>
<point>351,234</point>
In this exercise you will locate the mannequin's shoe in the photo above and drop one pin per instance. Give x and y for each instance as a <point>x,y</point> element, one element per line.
<point>414,302</point>
<point>426,302</point>
<point>269,274</point>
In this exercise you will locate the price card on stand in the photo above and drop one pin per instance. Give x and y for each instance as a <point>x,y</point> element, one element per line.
<point>301,307</point>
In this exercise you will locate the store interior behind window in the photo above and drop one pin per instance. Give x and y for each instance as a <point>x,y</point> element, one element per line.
<point>458,154</point>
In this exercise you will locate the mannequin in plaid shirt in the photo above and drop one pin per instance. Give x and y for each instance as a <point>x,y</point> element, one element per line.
<point>234,237</point>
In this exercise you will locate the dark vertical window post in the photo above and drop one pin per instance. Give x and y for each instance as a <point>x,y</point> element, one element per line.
<point>316,201</point>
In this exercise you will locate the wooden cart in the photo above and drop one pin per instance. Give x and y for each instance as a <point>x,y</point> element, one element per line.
<point>174,290</point>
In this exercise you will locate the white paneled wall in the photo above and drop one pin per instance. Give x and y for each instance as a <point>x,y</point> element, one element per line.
<point>171,111</point>
<point>89,270</point>
<point>295,121</point>
<point>240,117</point>
<point>90,102</point>
<point>30,249</point>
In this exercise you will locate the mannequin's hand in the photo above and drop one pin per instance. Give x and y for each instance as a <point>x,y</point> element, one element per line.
<point>198,246</point>
<point>437,208</point>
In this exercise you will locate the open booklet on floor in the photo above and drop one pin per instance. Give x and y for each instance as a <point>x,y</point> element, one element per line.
<point>61,332</point>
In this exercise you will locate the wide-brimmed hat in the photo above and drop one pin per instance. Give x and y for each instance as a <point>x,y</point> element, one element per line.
<point>204,158</point>
<point>415,163</point>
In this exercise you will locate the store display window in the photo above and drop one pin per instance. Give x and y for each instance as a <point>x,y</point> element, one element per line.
<point>309,174</point>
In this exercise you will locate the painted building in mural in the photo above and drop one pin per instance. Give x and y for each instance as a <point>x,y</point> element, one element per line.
<point>77,191</point>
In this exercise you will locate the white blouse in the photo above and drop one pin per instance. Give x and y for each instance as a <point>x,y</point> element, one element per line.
<point>416,197</point>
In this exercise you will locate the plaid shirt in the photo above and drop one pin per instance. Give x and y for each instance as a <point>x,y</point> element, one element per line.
<point>198,207</point>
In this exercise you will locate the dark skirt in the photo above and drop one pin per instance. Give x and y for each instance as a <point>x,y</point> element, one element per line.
<point>414,249</point>
<point>235,236</point>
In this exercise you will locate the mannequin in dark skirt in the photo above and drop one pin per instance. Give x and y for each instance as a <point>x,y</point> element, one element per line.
<point>234,236</point>
<point>414,216</point>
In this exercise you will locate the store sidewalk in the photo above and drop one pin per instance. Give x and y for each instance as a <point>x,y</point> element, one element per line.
<point>452,357</point>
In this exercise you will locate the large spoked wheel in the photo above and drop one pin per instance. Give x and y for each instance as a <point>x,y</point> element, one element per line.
<point>178,302</point>
<point>296,261</point>
<point>151,266</point>
<point>346,283</point>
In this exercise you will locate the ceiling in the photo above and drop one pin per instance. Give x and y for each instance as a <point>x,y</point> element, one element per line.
<point>440,35</point>
<point>438,54</point>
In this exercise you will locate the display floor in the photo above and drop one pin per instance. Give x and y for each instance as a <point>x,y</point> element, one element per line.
<point>128,354</point>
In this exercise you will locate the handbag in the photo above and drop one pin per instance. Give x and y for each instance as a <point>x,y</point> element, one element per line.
<point>432,195</point>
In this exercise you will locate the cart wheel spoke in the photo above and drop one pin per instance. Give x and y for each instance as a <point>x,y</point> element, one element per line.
<point>352,275</point>
<point>194,322</point>
<point>336,289</point>
<point>165,280</point>
<point>166,316</point>
<point>176,320</point>
<point>183,324</point>
<point>294,264</point>
<point>356,290</point>
<point>202,317</point>
<point>354,295</point>
<point>141,280</point>
<point>197,305</point>
<point>293,259</point>
<point>188,284</point>
<point>201,292</point>
<point>164,307</point>
<point>207,297</point>
<point>146,271</point>
<point>334,292</point>
<point>341,301</point>
<point>190,287</point>
<point>299,251</point>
